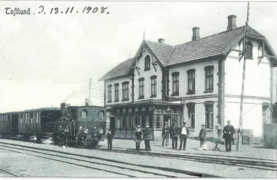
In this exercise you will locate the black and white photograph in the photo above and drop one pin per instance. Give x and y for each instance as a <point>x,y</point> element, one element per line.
<point>138,89</point>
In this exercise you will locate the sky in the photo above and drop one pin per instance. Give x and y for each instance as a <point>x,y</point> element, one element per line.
<point>47,59</point>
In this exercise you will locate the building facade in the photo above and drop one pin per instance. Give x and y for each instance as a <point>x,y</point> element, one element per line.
<point>198,82</point>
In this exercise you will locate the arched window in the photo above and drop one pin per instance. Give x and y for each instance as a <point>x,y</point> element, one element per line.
<point>249,50</point>
<point>147,63</point>
<point>84,114</point>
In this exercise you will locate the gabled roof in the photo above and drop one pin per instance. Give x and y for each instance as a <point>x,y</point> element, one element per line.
<point>209,46</point>
<point>162,51</point>
<point>214,45</point>
<point>120,70</point>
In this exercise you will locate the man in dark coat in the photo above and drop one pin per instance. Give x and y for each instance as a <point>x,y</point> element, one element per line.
<point>174,132</point>
<point>60,136</point>
<point>165,134</point>
<point>202,135</point>
<point>79,137</point>
<point>147,137</point>
<point>184,133</point>
<point>95,137</point>
<point>110,139</point>
<point>228,132</point>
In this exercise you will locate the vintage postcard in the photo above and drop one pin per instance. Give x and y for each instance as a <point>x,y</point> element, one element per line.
<point>138,89</point>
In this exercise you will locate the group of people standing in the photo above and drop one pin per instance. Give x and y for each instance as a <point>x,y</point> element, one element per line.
<point>175,133</point>
<point>143,134</point>
<point>82,134</point>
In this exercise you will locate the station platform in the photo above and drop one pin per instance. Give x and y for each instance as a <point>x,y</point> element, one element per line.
<point>192,147</point>
<point>253,152</point>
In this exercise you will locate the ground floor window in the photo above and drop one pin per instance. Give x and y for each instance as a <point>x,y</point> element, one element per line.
<point>143,121</point>
<point>117,123</point>
<point>150,121</point>
<point>130,122</point>
<point>124,122</point>
<point>209,120</point>
<point>137,122</point>
<point>158,121</point>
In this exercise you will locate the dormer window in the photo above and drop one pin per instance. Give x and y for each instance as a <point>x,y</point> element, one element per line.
<point>249,50</point>
<point>147,63</point>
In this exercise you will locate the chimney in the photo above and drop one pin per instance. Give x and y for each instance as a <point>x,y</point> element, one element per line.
<point>195,33</point>
<point>161,40</point>
<point>231,22</point>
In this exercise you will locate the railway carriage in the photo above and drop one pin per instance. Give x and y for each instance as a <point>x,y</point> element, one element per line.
<point>8,123</point>
<point>75,116</point>
<point>37,122</point>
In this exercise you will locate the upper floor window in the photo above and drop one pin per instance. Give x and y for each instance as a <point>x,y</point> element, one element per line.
<point>125,91</point>
<point>191,114</point>
<point>116,92</point>
<point>84,114</point>
<point>109,93</point>
<point>191,81</point>
<point>209,115</point>
<point>209,78</point>
<point>147,63</point>
<point>141,88</point>
<point>153,86</point>
<point>249,50</point>
<point>175,84</point>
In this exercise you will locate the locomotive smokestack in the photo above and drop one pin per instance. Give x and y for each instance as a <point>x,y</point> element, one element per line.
<point>87,102</point>
<point>63,109</point>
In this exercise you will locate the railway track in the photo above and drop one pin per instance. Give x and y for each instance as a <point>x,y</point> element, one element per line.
<point>262,164</point>
<point>5,172</point>
<point>101,164</point>
<point>214,159</point>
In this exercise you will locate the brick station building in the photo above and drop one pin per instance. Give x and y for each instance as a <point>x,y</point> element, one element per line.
<point>198,82</point>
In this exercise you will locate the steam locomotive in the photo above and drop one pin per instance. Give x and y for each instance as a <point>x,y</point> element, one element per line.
<point>44,122</point>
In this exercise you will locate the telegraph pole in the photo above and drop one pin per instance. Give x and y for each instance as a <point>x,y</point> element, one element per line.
<point>239,138</point>
<point>89,91</point>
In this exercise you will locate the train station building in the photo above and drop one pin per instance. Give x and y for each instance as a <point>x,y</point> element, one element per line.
<point>198,82</point>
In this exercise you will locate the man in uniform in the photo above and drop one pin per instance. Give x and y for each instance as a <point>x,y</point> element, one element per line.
<point>228,132</point>
<point>138,137</point>
<point>66,134</point>
<point>79,137</point>
<point>165,134</point>
<point>174,132</point>
<point>183,136</point>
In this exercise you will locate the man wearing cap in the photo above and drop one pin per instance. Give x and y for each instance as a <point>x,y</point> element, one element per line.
<point>60,136</point>
<point>174,132</point>
<point>183,136</point>
<point>202,135</point>
<point>147,137</point>
<point>79,137</point>
<point>165,134</point>
<point>228,132</point>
